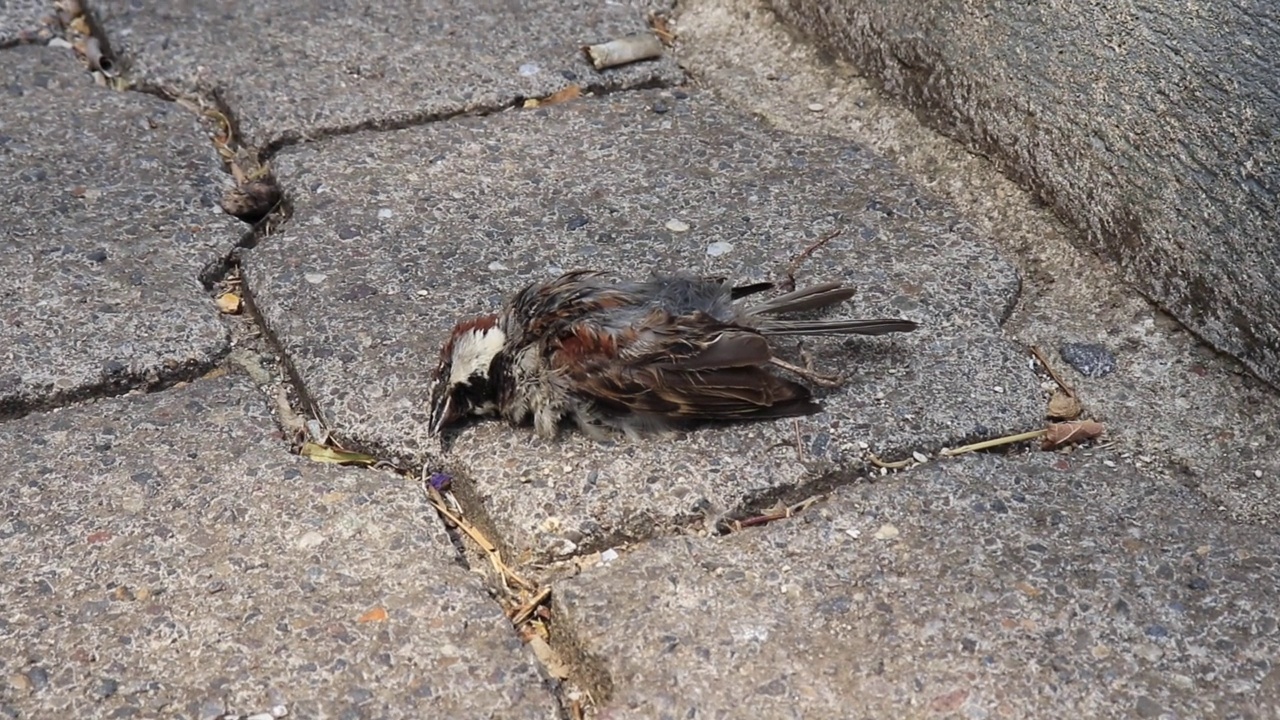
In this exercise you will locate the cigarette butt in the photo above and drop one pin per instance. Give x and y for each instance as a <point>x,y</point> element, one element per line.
<point>633,48</point>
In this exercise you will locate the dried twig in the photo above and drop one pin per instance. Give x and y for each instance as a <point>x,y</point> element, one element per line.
<point>495,556</point>
<point>985,444</point>
<point>526,609</point>
<point>1052,373</point>
<point>896,465</point>
<point>781,514</point>
<point>790,283</point>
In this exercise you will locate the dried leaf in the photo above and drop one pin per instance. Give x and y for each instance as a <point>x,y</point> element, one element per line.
<point>229,303</point>
<point>377,614</point>
<point>1070,433</point>
<point>556,667</point>
<point>571,92</point>
<point>323,454</point>
<point>1063,406</point>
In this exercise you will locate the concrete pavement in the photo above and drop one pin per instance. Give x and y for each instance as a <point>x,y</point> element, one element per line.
<point>167,553</point>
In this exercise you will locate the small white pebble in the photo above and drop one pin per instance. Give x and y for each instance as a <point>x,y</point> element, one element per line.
<point>315,278</point>
<point>1257,474</point>
<point>530,69</point>
<point>920,457</point>
<point>259,716</point>
<point>854,533</point>
<point>555,270</point>
<point>424,293</point>
<point>1108,463</point>
<point>310,539</point>
<point>496,266</point>
<point>608,556</point>
<point>385,213</point>
<point>884,471</point>
<point>817,107</point>
<point>887,531</point>
<point>862,445</point>
<point>718,248</point>
<point>279,711</point>
<point>998,389</point>
<point>880,396</point>
<point>677,225</point>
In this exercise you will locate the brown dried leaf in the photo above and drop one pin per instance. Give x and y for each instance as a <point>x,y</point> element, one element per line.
<point>377,614</point>
<point>556,667</point>
<point>1063,406</point>
<point>1070,433</point>
<point>572,92</point>
<point>229,303</point>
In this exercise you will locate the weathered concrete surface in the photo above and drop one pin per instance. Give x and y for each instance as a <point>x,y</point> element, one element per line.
<point>108,214</point>
<point>20,20</point>
<point>1153,128</point>
<point>163,556</point>
<point>1035,586</point>
<point>1172,402</point>
<point>295,71</point>
<point>388,248</point>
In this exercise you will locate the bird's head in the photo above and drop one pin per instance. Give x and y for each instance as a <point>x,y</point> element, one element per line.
<point>465,381</point>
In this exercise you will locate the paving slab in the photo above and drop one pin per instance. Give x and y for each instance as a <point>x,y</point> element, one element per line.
<point>164,556</point>
<point>1170,400</point>
<point>297,70</point>
<point>1034,586</point>
<point>109,209</point>
<point>22,20</point>
<point>389,246</point>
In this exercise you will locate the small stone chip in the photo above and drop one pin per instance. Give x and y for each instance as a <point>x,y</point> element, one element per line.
<point>718,248</point>
<point>677,225</point>
<point>817,107</point>
<point>888,531</point>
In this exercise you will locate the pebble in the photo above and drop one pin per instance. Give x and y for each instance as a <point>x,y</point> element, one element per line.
<point>677,225</point>
<point>315,278</point>
<point>385,213</point>
<point>817,107</point>
<point>718,248</point>
<point>887,532</point>
<point>1257,474</point>
<point>920,457</point>
<point>608,556</point>
<point>1089,359</point>
<point>529,69</point>
<point>496,266</point>
<point>310,539</point>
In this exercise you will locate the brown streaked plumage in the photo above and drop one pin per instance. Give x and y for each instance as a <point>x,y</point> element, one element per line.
<point>634,355</point>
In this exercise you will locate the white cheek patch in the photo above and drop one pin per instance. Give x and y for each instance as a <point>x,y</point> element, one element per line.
<point>473,352</point>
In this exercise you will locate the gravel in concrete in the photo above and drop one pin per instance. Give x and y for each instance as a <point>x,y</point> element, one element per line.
<point>1151,128</point>
<point>110,214</point>
<point>21,20</point>
<point>163,556</point>
<point>389,245</point>
<point>296,71</point>
<point>1033,586</point>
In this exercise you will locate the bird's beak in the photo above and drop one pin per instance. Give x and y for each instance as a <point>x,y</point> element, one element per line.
<point>444,411</point>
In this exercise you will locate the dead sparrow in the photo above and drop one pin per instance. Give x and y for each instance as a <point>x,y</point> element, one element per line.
<point>633,355</point>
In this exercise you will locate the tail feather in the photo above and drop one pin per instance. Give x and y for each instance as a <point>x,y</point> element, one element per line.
<point>810,298</point>
<point>836,327</point>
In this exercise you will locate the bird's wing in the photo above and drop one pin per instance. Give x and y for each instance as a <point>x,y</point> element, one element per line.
<point>690,367</point>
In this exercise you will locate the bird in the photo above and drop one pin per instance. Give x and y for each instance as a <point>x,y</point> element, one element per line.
<point>635,356</point>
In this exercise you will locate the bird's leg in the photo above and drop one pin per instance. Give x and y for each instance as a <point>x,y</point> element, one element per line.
<point>816,378</point>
